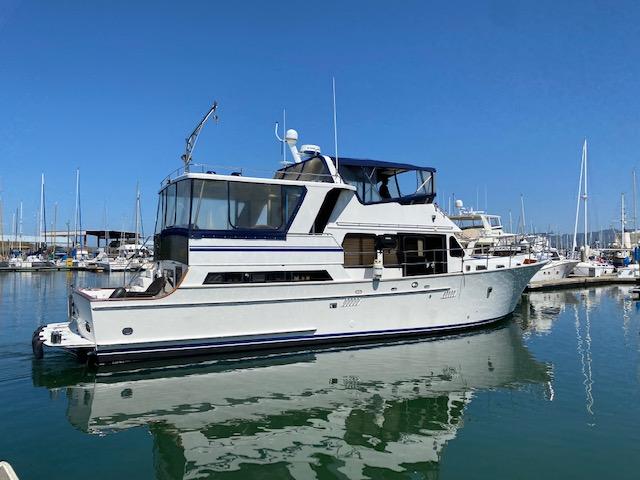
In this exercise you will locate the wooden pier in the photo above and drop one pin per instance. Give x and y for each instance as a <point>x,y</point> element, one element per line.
<point>580,282</point>
<point>62,268</point>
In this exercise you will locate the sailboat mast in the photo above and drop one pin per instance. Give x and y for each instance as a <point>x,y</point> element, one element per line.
<point>80,214</point>
<point>20,229</point>
<point>584,153</point>
<point>575,227</point>
<point>14,226</point>
<point>41,221</point>
<point>622,242</point>
<point>136,214</point>
<point>635,217</point>
<point>75,217</point>
<point>524,219</point>
<point>54,226</point>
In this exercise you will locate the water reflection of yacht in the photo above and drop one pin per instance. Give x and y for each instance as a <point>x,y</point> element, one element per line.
<point>391,407</point>
<point>540,309</point>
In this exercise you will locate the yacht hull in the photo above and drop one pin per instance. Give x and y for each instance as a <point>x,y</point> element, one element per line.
<point>206,319</point>
<point>555,270</point>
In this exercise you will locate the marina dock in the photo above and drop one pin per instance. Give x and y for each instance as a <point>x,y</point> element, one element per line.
<point>61,268</point>
<point>577,282</point>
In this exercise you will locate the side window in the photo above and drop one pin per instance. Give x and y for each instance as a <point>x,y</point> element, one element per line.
<point>455,250</point>
<point>170,213</point>
<point>359,250</point>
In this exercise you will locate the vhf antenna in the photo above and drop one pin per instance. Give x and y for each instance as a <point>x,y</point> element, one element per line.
<point>193,138</point>
<point>283,140</point>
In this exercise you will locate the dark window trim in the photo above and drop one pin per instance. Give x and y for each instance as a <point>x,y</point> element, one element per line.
<point>277,276</point>
<point>455,249</point>
<point>326,209</point>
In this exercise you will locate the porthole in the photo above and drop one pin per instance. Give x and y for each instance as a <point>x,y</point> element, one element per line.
<point>127,331</point>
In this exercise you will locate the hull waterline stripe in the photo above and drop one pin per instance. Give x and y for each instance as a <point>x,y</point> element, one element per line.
<point>265,249</point>
<point>292,339</point>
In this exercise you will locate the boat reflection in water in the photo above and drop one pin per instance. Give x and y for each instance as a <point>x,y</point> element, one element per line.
<point>538,310</point>
<point>359,411</point>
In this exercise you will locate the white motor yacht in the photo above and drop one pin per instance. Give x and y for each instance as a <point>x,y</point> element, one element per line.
<point>556,268</point>
<point>481,232</point>
<point>329,250</point>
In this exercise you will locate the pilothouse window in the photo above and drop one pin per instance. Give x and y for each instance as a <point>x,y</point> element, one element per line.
<point>210,206</point>
<point>215,205</point>
<point>255,206</point>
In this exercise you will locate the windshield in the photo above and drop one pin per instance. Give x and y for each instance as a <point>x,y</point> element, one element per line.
<point>375,185</point>
<point>495,222</point>
<point>467,223</point>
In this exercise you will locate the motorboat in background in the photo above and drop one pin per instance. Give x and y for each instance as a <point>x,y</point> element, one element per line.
<point>557,267</point>
<point>482,233</point>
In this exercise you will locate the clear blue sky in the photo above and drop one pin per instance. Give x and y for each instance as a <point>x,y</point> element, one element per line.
<point>496,94</point>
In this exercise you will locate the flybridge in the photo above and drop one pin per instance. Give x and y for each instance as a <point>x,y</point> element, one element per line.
<point>376,181</point>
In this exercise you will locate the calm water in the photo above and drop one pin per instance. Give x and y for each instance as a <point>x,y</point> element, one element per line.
<point>554,392</point>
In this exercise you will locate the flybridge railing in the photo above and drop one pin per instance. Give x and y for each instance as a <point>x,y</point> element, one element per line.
<point>231,170</point>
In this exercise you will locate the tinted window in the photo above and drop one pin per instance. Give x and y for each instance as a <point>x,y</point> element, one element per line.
<point>359,250</point>
<point>455,250</point>
<point>267,277</point>
<point>210,206</point>
<point>183,203</point>
<point>255,206</point>
<point>226,206</point>
<point>170,212</point>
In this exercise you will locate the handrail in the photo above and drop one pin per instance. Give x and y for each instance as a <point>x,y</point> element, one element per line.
<point>208,168</point>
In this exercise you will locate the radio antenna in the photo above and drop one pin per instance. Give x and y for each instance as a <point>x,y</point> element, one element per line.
<point>283,140</point>
<point>193,138</point>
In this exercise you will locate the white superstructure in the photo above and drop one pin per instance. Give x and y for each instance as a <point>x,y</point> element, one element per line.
<point>326,251</point>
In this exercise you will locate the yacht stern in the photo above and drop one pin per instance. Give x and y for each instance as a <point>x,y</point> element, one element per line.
<point>65,335</point>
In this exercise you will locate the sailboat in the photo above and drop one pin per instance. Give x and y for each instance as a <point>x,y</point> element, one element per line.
<point>38,258</point>
<point>80,254</point>
<point>131,257</point>
<point>590,265</point>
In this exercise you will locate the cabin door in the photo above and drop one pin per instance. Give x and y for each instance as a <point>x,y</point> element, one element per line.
<point>424,254</point>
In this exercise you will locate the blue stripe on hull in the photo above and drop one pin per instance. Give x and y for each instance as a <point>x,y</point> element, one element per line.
<point>142,352</point>
<point>265,249</point>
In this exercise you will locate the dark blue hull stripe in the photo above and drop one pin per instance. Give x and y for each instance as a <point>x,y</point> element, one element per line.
<point>265,249</point>
<point>132,350</point>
